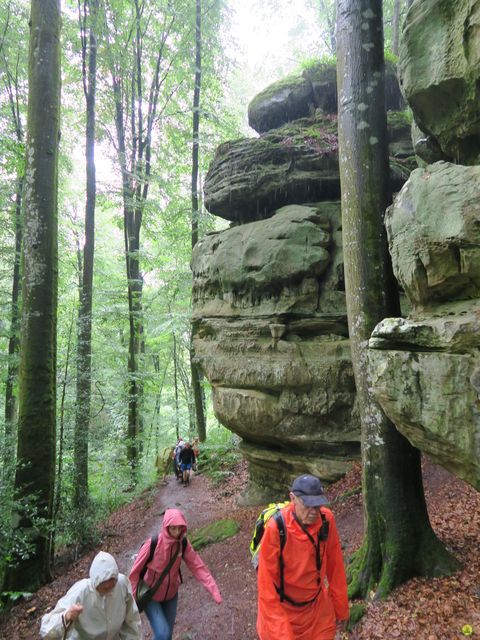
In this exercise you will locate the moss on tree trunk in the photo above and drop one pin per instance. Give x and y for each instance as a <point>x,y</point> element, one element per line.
<point>34,480</point>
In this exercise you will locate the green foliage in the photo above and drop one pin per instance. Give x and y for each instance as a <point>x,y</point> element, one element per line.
<point>218,461</point>
<point>326,60</point>
<point>16,542</point>
<point>9,598</point>
<point>389,56</point>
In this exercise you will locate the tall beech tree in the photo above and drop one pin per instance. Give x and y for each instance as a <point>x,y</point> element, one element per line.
<point>35,474</point>
<point>399,541</point>
<point>194,368</point>
<point>147,52</point>
<point>88,18</point>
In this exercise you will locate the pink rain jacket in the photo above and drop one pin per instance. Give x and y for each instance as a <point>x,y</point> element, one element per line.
<point>166,547</point>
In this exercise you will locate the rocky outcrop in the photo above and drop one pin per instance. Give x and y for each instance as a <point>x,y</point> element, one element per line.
<point>300,95</point>
<point>269,317</point>
<point>434,234</point>
<point>426,368</point>
<point>441,81</point>
<point>249,179</point>
<point>270,332</point>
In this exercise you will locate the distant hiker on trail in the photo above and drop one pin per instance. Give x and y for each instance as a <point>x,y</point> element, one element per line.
<point>101,606</point>
<point>187,460</point>
<point>167,555</point>
<point>308,599</point>
<point>176,456</point>
<point>162,462</point>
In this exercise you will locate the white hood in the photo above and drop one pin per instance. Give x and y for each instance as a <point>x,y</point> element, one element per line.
<point>103,568</point>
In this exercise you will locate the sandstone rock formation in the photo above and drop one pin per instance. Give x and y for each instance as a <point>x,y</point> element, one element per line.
<point>249,179</point>
<point>441,81</point>
<point>426,368</point>
<point>269,317</point>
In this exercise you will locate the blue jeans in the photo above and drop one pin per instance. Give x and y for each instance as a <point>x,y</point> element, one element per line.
<point>161,616</point>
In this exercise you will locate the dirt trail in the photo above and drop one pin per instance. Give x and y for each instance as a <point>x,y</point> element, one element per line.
<point>454,509</point>
<point>198,617</point>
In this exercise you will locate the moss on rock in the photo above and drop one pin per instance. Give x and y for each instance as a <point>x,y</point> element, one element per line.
<point>215,532</point>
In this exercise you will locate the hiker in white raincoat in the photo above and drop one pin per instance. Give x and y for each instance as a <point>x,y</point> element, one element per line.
<point>97,608</point>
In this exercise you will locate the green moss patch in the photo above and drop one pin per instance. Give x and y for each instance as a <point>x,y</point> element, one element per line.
<point>357,611</point>
<point>215,532</point>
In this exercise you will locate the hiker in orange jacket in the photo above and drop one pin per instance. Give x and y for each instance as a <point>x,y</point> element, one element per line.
<point>313,602</point>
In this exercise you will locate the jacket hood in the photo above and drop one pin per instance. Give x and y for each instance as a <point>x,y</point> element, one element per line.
<point>103,568</point>
<point>173,518</point>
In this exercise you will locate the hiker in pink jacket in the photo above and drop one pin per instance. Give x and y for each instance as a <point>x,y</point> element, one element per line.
<point>161,610</point>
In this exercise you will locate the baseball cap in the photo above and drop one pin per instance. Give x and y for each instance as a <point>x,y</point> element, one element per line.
<point>310,490</point>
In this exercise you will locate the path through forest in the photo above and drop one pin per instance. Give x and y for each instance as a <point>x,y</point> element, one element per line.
<point>422,609</point>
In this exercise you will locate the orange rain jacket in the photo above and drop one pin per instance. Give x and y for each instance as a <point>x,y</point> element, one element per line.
<point>316,621</point>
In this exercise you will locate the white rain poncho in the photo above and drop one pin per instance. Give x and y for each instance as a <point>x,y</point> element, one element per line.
<point>111,617</point>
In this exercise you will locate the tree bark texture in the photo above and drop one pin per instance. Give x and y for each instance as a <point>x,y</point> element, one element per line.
<point>399,541</point>
<point>37,409</point>
<point>194,369</point>
<point>84,324</point>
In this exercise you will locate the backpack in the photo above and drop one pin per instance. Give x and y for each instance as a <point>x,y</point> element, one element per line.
<point>274,511</point>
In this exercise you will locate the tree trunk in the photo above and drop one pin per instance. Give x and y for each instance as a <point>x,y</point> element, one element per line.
<point>399,541</point>
<point>194,369</point>
<point>11,404</point>
<point>35,475</point>
<point>12,87</point>
<point>396,27</point>
<point>175,384</point>
<point>84,325</point>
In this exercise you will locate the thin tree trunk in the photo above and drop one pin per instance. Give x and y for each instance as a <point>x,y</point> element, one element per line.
<point>396,26</point>
<point>35,475</point>
<point>175,384</point>
<point>195,372</point>
<point>58,484</point>
<point>11,404</point>
<point>135,186</point>
<point>84,324</point>
<point>11,83</point>
<point>392,480</point>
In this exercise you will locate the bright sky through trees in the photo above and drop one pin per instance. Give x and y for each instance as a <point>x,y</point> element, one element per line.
<point>267,40</point>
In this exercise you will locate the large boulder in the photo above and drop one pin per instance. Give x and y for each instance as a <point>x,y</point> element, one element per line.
<point>299,95</point>
<point>270,334</point>
<point>426,375</point>
<point>269,267</point>
<point>434,234</point>
<point>249,179</point>
<point>440,72</point>
<point>425,369</point>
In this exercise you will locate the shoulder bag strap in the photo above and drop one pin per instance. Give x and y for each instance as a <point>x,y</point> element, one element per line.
<point>164,573</point>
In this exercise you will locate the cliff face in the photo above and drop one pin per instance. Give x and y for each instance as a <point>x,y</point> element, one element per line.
<point>270,328</point>
<point>426,368</point>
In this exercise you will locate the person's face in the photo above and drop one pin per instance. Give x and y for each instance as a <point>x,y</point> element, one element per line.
<point>306,515</point>
<point>175,531</point>
<point>106,586</point>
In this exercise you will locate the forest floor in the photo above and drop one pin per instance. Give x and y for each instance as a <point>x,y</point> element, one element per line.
<point>435,609</point>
